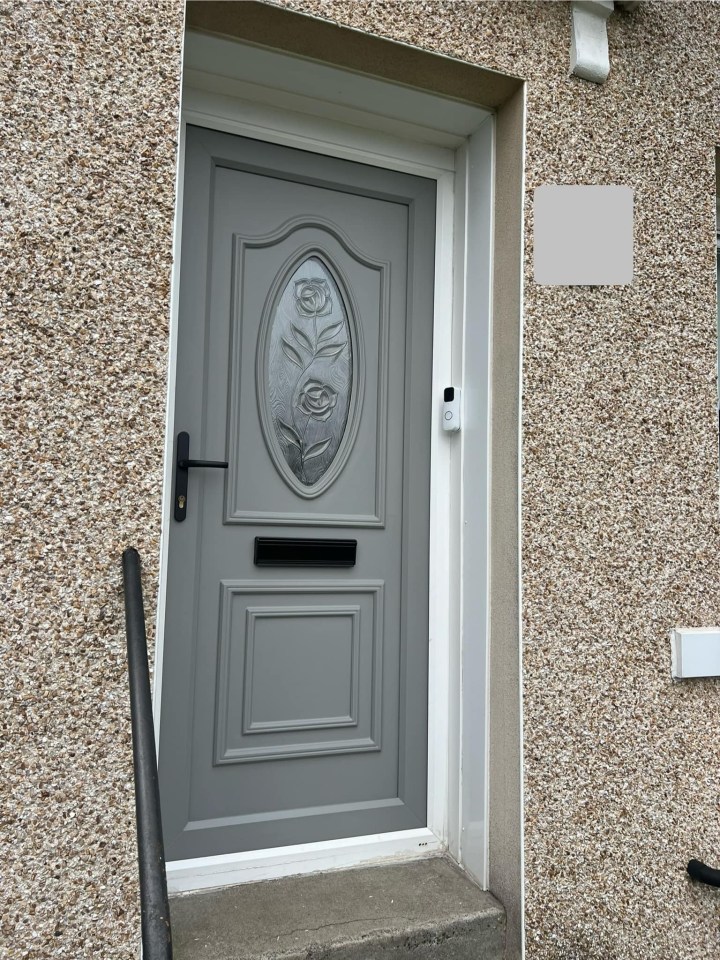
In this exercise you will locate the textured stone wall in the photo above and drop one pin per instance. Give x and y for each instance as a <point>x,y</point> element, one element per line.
<point>88,127</point>
<point>620,492</point>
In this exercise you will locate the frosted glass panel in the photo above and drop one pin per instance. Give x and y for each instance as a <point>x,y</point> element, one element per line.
<point>309,371</point>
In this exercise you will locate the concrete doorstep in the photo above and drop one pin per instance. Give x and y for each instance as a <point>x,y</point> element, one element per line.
<point>424,909</point>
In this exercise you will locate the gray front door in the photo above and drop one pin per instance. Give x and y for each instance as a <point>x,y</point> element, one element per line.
<point>294,698</point>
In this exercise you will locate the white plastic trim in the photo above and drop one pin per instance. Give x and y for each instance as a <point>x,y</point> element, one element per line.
<point>589,57</point>
<point>695,652</point>
<point>204,873</point>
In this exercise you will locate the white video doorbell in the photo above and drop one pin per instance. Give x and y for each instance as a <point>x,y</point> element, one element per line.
<point>451,410</point>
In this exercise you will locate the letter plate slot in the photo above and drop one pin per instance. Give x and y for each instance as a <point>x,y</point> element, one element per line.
<point>302,552</point>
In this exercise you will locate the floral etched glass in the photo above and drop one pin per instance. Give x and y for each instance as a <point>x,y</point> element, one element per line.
<point>309,370</point>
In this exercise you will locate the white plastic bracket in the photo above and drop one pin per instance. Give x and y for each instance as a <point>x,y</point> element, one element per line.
<point>589,57</point>
<point>695,652</point>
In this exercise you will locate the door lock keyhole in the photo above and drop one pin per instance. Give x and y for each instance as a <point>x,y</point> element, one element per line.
<point>182,465</point>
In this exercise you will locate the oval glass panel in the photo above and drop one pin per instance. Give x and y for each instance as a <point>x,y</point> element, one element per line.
<point>309,371</point>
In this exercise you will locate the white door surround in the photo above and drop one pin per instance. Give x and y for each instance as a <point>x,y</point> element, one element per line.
<point>262,94</point>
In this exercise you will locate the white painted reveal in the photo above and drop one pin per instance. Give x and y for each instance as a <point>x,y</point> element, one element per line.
<point>259,93</point>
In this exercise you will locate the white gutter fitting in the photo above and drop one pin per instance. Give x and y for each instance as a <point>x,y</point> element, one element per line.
<point>589,56</point>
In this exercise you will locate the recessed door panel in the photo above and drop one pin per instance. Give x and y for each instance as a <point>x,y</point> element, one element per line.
<point>295,698</point>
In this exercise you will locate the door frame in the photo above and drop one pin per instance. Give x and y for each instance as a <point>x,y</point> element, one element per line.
<point>458,618</point>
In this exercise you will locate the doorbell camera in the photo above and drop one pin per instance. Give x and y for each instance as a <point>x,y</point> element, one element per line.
<point>451,410</point>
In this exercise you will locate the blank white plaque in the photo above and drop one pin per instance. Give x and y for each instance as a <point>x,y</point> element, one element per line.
<point>583,235</point>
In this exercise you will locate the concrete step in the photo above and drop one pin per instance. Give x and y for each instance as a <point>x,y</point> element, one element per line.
<point>427,910</point>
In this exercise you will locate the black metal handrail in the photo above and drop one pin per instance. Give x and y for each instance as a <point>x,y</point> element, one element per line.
<point>154,907</point>
<point>700,871</point>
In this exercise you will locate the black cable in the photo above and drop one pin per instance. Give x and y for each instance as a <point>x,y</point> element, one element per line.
<point>700,871</point>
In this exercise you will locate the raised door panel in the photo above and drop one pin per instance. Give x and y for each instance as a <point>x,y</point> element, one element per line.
<point>310,391</point>
<point>299,670</point>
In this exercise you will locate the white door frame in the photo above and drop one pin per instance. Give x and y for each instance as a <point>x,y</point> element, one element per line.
<point>458,576</point>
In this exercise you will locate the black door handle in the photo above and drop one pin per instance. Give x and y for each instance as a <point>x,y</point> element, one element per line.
<point>182,465</point>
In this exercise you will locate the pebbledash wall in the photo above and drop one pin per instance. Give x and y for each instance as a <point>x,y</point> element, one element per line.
<point>620,532</point>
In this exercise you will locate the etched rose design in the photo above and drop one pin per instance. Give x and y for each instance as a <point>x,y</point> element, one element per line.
<point>312,298</point>
<point>305,370</point>
<point>317,400</point>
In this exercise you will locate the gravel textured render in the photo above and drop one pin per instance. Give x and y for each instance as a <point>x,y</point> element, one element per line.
<point>621,536</point>
<point>89,119</point>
